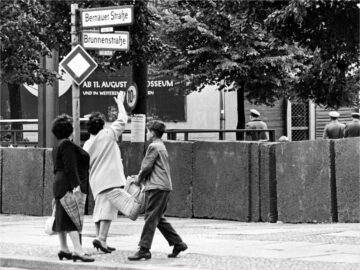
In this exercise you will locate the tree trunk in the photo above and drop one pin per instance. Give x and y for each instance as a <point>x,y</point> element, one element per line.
<point>15,108</point>
<point>240,111</point>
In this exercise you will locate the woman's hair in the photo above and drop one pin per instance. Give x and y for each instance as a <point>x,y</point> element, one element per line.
<point>96,123</point>
<point>62,126</point>
<point>157,126</point>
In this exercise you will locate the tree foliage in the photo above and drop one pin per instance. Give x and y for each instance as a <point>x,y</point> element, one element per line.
<point>330,30</point>
<point>27,32</point>
<point>226,43</point>
<point>32,28</point>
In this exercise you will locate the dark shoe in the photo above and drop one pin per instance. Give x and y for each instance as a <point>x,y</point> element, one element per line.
<point>111,248</point>
<point>83,258</point>
<point>140,255</point>
<point>63,254</point>
<point>177,249</point>
<point>97,244</point>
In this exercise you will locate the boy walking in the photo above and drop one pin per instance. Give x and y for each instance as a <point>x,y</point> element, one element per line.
<point>155,174</point>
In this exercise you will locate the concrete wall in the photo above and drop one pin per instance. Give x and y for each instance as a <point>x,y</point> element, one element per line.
<point>347,174</point>
<point>22,181</point>
<point>303,181</point>
<point>181,166</point>
<point>307,181</point>
<point>267,182</point>
<point>1,177</point>
<point>221,180</point>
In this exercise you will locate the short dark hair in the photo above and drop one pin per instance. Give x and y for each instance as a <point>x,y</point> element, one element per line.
<point>62,126</point>
<point>96,123</point>
<point>157,126</point>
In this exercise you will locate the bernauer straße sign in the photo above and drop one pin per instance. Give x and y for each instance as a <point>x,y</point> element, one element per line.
<point>107,16</point>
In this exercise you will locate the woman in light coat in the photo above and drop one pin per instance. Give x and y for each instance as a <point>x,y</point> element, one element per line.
<point>106,169</point>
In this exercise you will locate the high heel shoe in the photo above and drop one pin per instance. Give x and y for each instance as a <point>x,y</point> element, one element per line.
<point>63,254</point>
<point>97,244</point>
<point>83,258</point>
<point>111,248</point>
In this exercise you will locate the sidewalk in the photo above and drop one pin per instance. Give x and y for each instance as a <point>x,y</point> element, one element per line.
<point>213,244</point>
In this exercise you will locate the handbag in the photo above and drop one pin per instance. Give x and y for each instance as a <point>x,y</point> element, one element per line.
<point>138,192</point>
<point>124,202</point>
<point>49,223</point>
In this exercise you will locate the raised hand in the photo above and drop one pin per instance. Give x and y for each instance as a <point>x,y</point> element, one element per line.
<point>120,97</point>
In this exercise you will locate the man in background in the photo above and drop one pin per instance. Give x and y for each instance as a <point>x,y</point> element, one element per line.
<point>335,129</point>
<point>258,124</point>
<point>352,129</point>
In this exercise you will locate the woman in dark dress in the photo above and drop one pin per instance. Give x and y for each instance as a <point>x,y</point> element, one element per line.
<point>71,169</point>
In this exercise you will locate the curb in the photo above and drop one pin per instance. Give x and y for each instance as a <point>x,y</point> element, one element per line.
<point>40,263</point>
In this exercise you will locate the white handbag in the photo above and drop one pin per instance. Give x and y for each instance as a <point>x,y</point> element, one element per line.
<point>124,202</point>
<point>136,191</point>
<point>49,223</point>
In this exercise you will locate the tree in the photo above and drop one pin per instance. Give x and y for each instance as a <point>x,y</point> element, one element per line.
<point>32,28</point>
<point>226,43</point>
<point>330,31</point>
<point>27,33</point>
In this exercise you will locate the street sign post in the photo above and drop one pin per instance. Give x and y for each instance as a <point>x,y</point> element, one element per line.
<point>78,64</point>
<point>108,16</point>
<point>118,41</point>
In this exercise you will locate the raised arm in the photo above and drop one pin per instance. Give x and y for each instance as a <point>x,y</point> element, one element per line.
<point>118,126</point>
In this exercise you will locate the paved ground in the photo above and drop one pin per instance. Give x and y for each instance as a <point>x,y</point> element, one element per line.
<point>213,244</point>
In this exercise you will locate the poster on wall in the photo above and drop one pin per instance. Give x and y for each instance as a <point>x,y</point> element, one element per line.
<point>98,91</point>
<point>138,128</point>
<point>164,102</point>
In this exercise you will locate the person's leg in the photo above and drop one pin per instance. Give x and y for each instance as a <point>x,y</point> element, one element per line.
<point>104,231</point>
<point>165,227</point>
<point>103,216</point>
<point>169,232</point>
<point>75,238</point>
<point>78,251</point>
<point>97,228</point>
<point>64,248</point>
<point>63,242</point>
<point>153,212</point>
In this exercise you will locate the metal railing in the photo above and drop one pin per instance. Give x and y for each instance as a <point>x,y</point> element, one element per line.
<point>243,133</point>
<point>9,136</point>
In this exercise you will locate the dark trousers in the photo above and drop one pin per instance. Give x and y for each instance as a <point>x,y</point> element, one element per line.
<point>155,207</point>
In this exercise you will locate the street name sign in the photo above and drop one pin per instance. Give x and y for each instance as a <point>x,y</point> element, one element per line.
<point>118,41</point>
<point>107,16</point>
<point>78,64</point>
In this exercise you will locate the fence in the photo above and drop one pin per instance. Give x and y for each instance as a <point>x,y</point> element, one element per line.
<point>10,136</point>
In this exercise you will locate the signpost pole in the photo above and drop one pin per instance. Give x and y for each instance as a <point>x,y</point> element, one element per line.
<point>140,72</point>
<point>75,87</point>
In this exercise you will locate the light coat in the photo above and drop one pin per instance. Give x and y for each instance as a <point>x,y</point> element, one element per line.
<point>106,168</point>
